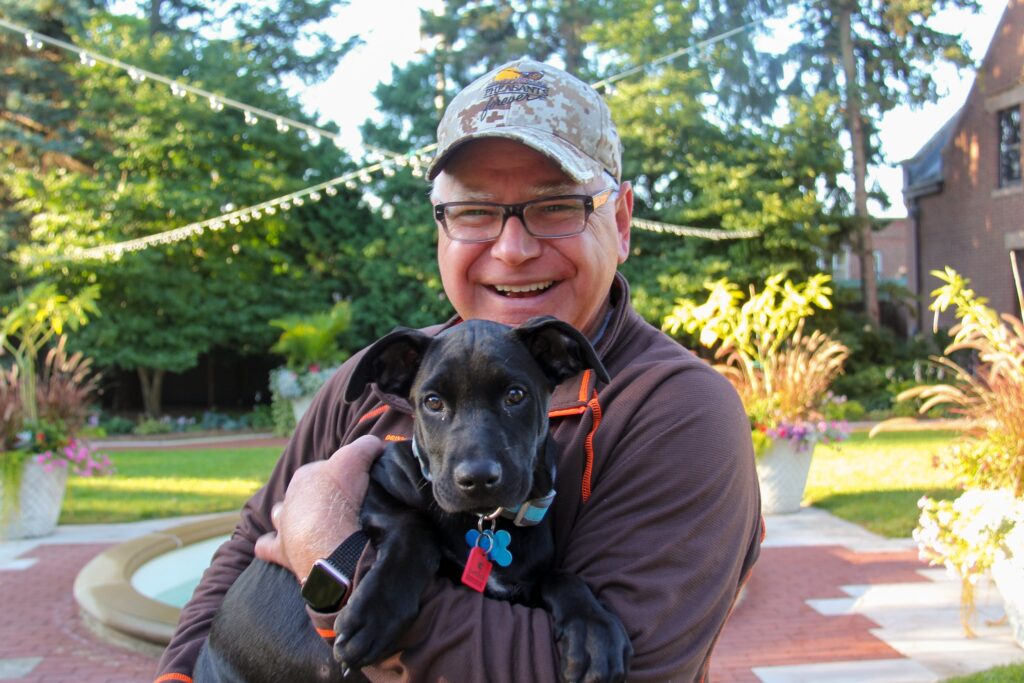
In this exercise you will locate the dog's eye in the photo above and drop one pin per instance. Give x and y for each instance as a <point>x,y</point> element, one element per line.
<point>433,402</point>
<point>514,395</point>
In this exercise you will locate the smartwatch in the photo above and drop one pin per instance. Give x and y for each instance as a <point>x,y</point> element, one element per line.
<point>328,582</point>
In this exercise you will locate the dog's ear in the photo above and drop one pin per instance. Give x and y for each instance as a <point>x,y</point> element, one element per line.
<point>560,349</point>
<point>391,362</point>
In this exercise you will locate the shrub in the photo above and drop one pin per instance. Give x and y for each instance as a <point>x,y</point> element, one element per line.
<point>842,409</point>
<point>150,427</point>
<point>115,424</point>
<point>211,419</point>
<point>283,415</point>
<point>262,417</point>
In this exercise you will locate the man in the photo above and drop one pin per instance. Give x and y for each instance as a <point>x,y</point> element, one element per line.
<point>657,504</point>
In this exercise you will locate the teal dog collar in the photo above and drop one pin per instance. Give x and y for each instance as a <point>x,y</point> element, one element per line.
<point>531,512</point>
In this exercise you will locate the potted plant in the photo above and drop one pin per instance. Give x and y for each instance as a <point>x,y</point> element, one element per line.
<point>42,411</point>
<point>982,530</point>
<point>312,350</point>
<point>781,372</point>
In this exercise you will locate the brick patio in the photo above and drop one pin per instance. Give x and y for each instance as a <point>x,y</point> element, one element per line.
<point>772,626</point>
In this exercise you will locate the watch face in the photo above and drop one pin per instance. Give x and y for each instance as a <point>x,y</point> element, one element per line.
<point>323,589</point>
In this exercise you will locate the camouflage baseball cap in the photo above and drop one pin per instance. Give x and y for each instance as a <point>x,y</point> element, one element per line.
<point>540,106</point>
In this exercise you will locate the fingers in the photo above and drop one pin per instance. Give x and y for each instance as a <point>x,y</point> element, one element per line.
<point>268,548</point>
<point>355,458</point>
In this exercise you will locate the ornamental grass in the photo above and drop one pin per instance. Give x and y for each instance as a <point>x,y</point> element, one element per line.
<point>65,387</point>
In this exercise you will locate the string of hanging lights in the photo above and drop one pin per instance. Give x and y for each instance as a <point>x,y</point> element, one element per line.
<point>235,217</point>
<point>252,115</point>
<point>384,161</point>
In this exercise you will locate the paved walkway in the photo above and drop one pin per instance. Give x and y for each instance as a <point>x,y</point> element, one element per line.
<point>827,603</point>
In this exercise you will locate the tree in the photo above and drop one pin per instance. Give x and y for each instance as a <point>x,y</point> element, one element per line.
<point>36,105</point>
<point>873,56</point>
<point>148,162</point>
<point>693,165</point>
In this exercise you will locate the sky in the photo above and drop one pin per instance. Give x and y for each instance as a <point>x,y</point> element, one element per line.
<point>390,33</point>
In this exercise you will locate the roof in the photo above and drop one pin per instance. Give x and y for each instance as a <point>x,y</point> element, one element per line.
<point>922,173</point>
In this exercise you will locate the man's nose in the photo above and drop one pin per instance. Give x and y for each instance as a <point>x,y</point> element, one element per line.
<point>515,245</point>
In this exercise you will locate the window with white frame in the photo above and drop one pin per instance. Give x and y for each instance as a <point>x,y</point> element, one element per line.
<point>1009,147</point>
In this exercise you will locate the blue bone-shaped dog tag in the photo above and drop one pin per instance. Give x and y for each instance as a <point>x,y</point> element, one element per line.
<point>496,540</point>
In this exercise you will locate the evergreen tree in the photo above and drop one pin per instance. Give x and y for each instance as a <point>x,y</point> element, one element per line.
<point>872,56</point>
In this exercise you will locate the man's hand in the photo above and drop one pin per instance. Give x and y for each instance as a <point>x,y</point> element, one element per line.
<point>320,507</point>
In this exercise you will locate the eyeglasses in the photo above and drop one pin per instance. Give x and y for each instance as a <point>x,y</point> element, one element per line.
<point>545,218</point>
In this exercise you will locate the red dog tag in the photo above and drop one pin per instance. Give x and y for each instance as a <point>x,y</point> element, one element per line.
<point>478,568</point>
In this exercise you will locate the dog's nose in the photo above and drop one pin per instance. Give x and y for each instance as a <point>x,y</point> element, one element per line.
<point>477,475</point>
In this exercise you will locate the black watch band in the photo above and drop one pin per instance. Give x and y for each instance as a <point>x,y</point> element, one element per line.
<point>328,582</point>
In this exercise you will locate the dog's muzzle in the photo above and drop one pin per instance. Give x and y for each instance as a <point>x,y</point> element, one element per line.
<point>527,513</point>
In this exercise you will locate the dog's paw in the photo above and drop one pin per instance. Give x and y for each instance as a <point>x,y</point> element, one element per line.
<point>369,631</point>
<point>593,647</point>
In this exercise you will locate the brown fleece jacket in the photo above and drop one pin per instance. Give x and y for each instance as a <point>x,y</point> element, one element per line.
<point>657,509</point>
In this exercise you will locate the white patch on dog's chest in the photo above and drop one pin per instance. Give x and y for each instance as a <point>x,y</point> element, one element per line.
<point>497,588</point>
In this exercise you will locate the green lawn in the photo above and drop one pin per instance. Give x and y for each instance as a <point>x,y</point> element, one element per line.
<point>877,482</point>
<point>168,483</point>
<point>1011,673</point>
<point>872,482</point>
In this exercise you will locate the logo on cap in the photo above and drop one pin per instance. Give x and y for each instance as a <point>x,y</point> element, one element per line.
<point>512,85</point>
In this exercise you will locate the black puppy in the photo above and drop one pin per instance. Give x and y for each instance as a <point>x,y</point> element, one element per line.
<point>471,487</point>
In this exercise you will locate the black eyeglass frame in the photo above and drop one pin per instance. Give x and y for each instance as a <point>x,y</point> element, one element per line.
<point>590,205</point>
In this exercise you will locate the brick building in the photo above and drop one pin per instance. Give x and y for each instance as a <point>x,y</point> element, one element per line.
<point>892,252</point>
<point>964,189</point>
<point>891,246</point>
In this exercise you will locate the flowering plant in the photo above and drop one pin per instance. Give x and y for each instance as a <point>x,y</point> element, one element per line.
<point>79,457</point>
<point>803,435</point>
<point>37,436</point>
<point>313,339</point>
<point>781,373</point>
<point>986,522</point>
<point>45,429</point>
<point>310,344</point>
<point>970,534</point>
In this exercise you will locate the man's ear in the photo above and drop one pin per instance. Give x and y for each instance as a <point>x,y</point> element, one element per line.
<point>560,349</point>
<point>623,219</point>
<point>391,362</point>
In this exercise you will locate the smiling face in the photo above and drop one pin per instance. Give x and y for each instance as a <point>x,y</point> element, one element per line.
<point>518,276</point>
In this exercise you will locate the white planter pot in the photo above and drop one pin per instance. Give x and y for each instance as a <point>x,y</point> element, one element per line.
<point>1010,581</point>
<point>782,471</point>
<point>40,500</point>
<point>300,406</point>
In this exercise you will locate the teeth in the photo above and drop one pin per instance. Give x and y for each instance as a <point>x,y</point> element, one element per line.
<point>536,286</point>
